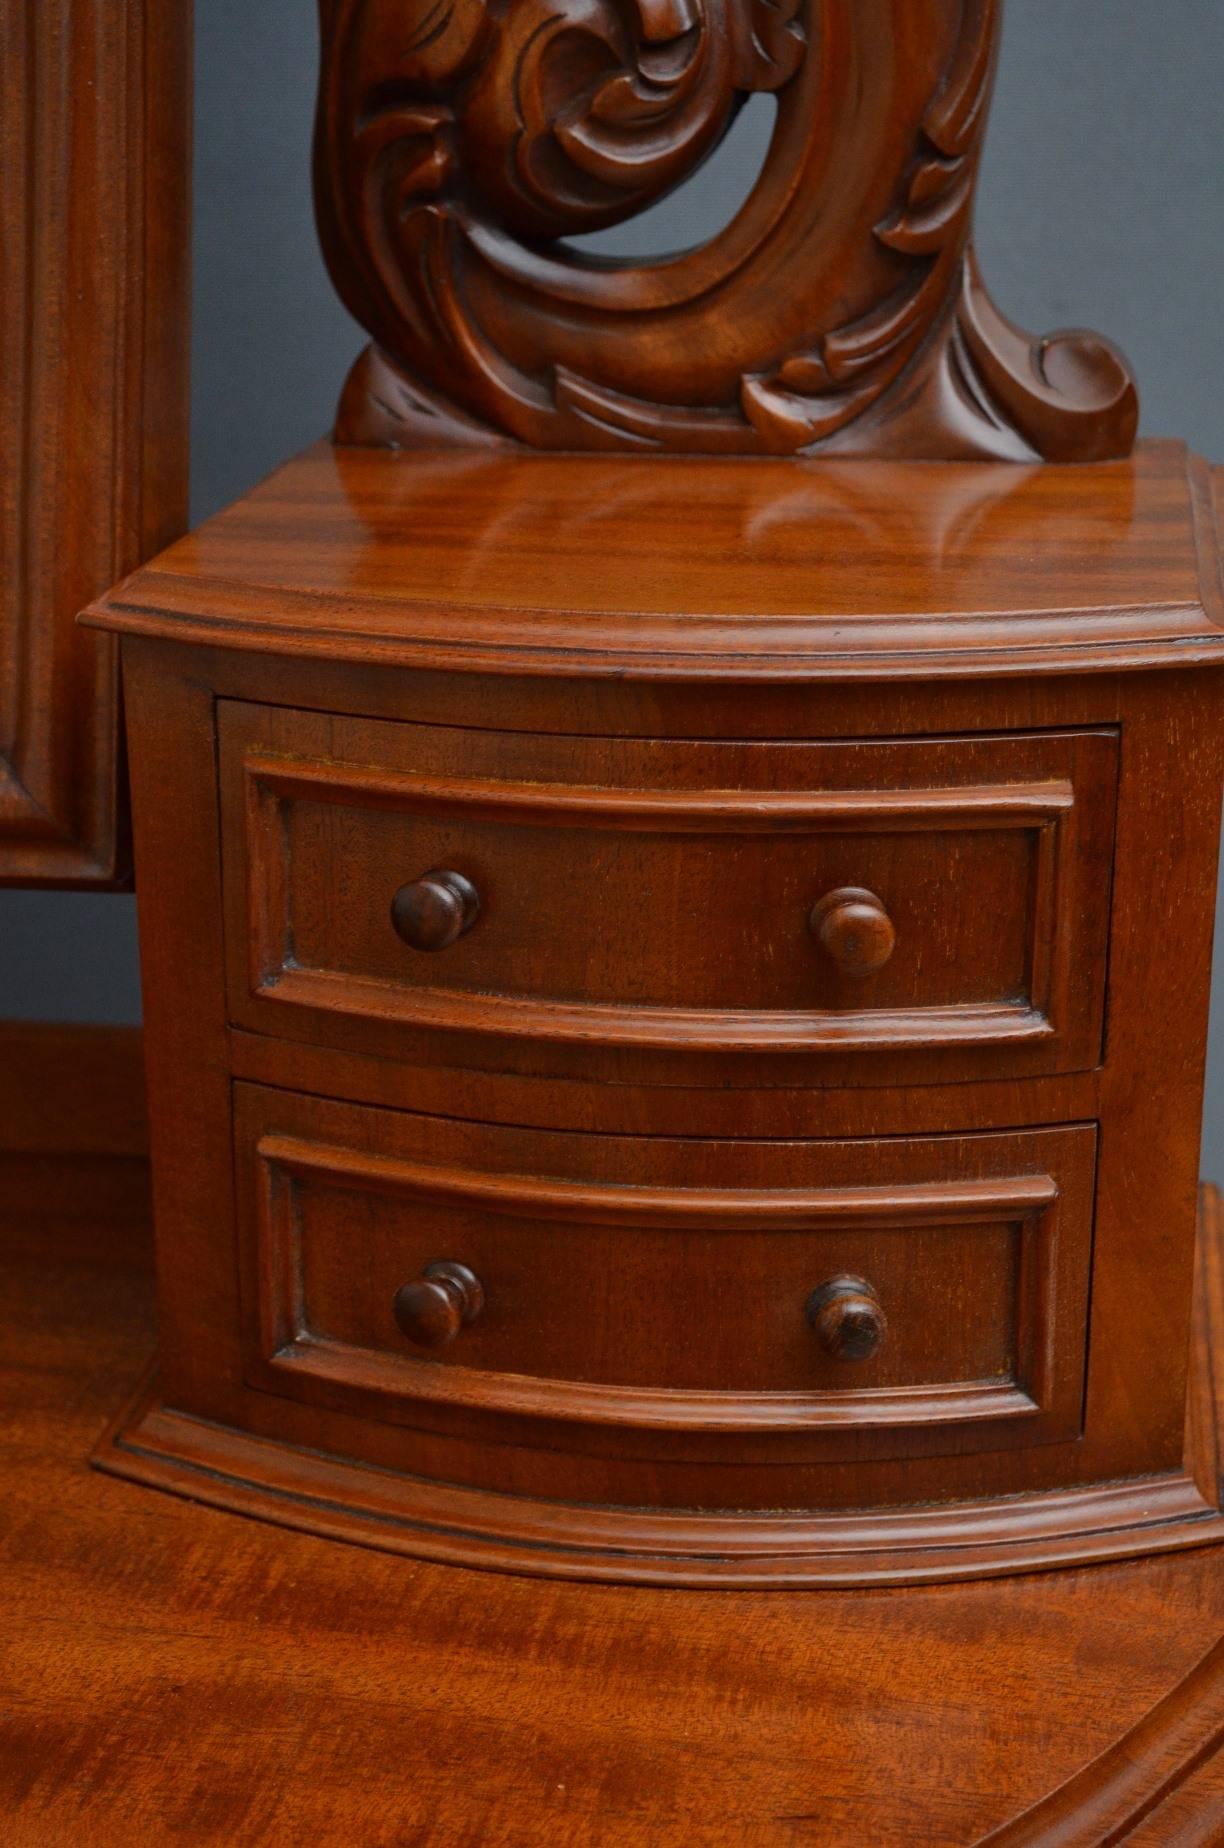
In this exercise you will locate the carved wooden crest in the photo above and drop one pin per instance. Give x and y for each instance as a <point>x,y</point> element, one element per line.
<point>460,142</point>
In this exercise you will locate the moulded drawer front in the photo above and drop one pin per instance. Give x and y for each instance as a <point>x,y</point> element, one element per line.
<point>943,897</point>
<point>952,1273</point>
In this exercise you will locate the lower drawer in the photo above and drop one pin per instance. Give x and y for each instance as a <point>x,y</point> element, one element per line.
<point>403,1268</point>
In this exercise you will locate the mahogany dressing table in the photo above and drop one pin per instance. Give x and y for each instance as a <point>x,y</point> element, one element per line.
<point>677,858</point>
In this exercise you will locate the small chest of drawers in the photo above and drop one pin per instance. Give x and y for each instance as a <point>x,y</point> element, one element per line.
<point>694,1089</point>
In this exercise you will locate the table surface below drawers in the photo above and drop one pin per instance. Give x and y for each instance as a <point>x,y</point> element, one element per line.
<point>171,1669</point>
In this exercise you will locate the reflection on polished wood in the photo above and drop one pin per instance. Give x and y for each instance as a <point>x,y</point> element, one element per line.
<point>638,1099</point>
<point>705,568</point>
<point>169,1670</point>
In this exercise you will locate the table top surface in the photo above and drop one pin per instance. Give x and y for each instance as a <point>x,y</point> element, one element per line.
<point>670,568</point>
<point>170,1669</point>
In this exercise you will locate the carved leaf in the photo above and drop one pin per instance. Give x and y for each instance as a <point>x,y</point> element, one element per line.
<point>459,140</point>
<point>775,44</point>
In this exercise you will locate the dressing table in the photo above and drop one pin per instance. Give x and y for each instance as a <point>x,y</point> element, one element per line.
<point>677,856</point>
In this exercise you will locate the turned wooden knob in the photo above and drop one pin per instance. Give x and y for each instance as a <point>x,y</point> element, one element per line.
<point>853,926</point>
<point>433,912</point>
<point>444,1299</point>
<point>846,1314</point>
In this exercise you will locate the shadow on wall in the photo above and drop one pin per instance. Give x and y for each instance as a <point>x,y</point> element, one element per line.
<point>69,956</point>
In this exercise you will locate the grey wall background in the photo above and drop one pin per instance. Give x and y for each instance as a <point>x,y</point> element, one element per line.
<point>1102,203</point>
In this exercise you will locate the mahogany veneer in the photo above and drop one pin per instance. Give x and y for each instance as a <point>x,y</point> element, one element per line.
<point>170,1670</point>
<point>95,138</point>
<point>698,971</point>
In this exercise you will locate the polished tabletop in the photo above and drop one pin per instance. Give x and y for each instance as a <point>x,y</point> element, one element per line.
<point>172,1671</point>
<point>659,567</point>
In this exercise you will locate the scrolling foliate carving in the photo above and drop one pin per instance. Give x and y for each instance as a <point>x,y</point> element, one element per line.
<point>460,142</point>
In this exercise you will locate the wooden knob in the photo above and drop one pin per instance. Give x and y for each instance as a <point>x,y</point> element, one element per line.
<point>435,911</point>
<point>444,1299</point>
<point>853,926</point>
<point>846,1314</point>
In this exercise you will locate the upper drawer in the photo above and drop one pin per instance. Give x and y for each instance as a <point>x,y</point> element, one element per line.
<point>667,898</point>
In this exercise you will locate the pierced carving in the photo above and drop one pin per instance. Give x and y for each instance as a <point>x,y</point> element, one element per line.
<point>460,141</point>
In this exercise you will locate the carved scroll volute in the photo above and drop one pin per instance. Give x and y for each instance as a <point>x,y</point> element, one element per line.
<point>460,142</point>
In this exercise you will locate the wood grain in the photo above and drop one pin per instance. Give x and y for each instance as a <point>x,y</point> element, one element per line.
<point>1133,1793</point>
<point>676,1306</point>
<point>95,143</point>
<point>656,895</point>
<point>404,1513</point>
<point>1160,1785</point>
<point>170,1669</point>
<point>531,565</point>
<point>72,1090</point>
<point>352,754</point>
